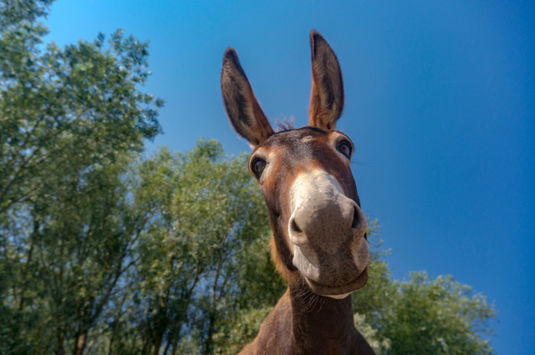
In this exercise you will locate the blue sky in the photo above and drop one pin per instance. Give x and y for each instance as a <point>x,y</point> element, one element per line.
<point>440,101</point>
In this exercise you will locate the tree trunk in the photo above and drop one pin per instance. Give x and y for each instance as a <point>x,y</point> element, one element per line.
<point>27,265</point>
<point>166,348</point>
<point>112,337</point>
<point>146,346</point>
<point>61,349</point>
<point>209,342</point>
<point>79,344</point>
<point>174,347</point>
<point>157,345</point>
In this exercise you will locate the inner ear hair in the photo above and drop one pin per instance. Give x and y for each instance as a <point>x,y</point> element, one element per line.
<point>243,110</point>
<point>327,96</point>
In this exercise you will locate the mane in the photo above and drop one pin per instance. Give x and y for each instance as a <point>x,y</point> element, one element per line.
<point>286,124</point>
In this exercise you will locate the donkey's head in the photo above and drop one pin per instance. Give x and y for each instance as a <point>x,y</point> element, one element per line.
<point>319,230</point>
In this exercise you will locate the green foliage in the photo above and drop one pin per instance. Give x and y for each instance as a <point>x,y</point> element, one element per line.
<point>240,330</point>
<point>438,316</point>
<point>379,344</point>
<point>259,288</point>
<point>419,316</point>
<point>70,121</point>
<point>57,105</point>
<point>204,212</point>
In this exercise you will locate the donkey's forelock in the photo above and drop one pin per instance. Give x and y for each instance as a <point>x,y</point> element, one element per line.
<point>286,124</point>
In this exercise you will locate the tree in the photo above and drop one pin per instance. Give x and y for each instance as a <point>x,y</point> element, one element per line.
<point>438,316</point>
<point>70,120</point>
<point>205,211</point>
<point>56,104</point>
<point>420,316</point>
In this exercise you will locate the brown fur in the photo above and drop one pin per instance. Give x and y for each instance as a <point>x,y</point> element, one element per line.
<point>302,322</point>
<point>305,323</point>
<point>327,96</point>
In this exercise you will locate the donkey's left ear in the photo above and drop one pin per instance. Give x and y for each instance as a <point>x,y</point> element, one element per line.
<point>327,97</point>
<point>244,112</point>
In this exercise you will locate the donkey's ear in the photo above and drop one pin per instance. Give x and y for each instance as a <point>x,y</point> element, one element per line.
<point>242,108</point>
<point>327,97</point>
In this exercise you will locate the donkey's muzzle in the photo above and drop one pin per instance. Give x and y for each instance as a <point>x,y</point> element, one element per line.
<point>327,234</point>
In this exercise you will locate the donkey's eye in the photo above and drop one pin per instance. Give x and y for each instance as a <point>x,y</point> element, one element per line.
<point>257,166</point>
<point>345,148</point>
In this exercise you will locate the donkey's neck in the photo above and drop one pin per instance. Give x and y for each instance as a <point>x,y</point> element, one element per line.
<point>321,325</point>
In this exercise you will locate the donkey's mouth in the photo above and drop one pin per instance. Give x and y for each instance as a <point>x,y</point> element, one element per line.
<point>333,274</point>
<point>338,291</point>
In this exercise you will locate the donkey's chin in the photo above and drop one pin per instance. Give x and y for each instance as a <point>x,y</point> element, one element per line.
<point>338,292</point>
<point>334,275</point>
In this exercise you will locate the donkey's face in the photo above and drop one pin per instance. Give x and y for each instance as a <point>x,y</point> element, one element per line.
<point>318,227</point>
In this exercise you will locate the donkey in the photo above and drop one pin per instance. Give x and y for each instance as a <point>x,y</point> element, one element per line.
<point>319,242</point>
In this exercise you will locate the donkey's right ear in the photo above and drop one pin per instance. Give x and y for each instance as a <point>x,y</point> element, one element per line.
<point>242,108</point>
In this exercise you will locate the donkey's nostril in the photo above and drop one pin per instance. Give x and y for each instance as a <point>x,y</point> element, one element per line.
<point>356,218</point>
<point>295,227</point>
